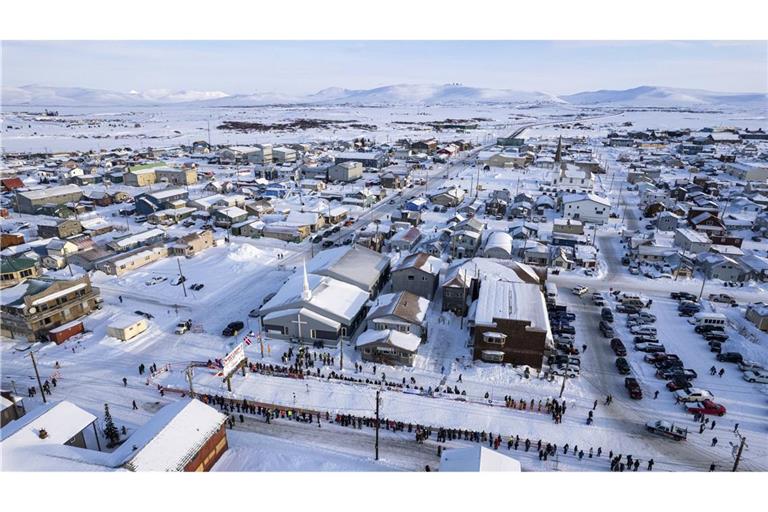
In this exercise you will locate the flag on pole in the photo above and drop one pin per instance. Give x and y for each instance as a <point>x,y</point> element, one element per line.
<point>247,340</point>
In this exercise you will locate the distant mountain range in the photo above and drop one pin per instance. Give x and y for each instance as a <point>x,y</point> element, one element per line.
<point>404,94</point>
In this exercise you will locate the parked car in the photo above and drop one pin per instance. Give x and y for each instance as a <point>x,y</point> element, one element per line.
<point>658,357</point>
<point>667,429</point>
<point>626,308</point>
<point>692,395</point>
<point>704,329</point>
<point>683,296</point>
<point>730,357</point>
<point>183,327</point>
<point>178,280</point>
<point>606,314</point>
<point>580,290</point>
<point>671,373</point>
<point>233,328</point>
<point>618,347</point>
<point>568,348</point>
<point>756,376</point>
<point>607,330</point>
<point>722,297</point>
<point>635,391</point>
<point>569,371</point>
<point>564,329</point>
<point>622,365</point>
<point>146,315</point>
<point>643,330</point>
<point>650,347</point>
<point>706,407</point>
<point>715,336</point>
<point>678,382</point>
<point>668,364</point>
<point>746,366</point>
<point>715,346</point>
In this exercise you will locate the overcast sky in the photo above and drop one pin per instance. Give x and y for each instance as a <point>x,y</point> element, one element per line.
<point>300,67</point>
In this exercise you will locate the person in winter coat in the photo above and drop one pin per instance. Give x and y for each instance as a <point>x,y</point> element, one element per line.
<point>714,441</point>
<point>125,382</point>
<point>134,405</point>
<point>650,465</point>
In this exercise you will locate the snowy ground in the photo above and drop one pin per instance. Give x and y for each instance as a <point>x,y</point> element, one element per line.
<point>237,276</point>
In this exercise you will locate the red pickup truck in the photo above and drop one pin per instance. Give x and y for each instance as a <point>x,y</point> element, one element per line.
<point>706,407</point>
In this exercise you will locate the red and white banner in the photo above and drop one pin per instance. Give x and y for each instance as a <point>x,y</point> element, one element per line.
<point>233,359</point>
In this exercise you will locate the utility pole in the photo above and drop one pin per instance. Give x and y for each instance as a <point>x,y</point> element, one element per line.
<point>189,373</point>
<point>738,454</point>
<point>378,400</point>
<point>37,374</point>
<point>703,282</point>
<point>181,278</point>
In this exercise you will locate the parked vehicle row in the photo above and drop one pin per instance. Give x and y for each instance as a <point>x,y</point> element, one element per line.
<point>563,363</point>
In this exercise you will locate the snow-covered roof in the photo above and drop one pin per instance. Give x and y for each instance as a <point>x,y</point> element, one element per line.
<point>499,240</point>
<point>402,340</point>
<point>422,261</point>
<point>328,295</point>
<point>126,321</point>
<point>24,450</point>
<point>173,436</point>
<point>477,458</point>
<point>572,198</point>
<point>138,237</point>
<point>50,192</point>
<point>355,264</point>
<point>169,192</point>
<point>405,305</point>
<point>512,301</point>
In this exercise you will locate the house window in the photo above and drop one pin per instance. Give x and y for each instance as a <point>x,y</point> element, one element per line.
<point>410,278</point>
<point>312,333</point>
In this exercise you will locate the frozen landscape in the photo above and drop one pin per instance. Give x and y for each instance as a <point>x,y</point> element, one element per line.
<point>370,279</point>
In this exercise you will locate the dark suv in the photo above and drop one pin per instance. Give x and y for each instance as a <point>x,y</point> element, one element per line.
<point>618,347</point>
<point>622,365</point>
<point>730,357</point>
<point>233,328</point>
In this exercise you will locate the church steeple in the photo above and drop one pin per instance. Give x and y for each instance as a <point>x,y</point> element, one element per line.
<point>306,293</point>
<point>559,152</point>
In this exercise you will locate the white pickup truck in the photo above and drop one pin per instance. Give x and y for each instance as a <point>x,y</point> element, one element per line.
<point>693,395</point>
<point>667,429</point>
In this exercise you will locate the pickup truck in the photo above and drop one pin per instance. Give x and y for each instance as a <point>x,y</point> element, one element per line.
<point>667,429</point>
<point>705,407</point>
<point>671,373</point>
<point>692,395</point>
<point>721,297</point>
<point>633,387</point>
<point>183,327</point>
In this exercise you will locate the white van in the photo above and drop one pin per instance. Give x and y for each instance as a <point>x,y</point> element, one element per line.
<point>710,319</point>
<point>551,289</point>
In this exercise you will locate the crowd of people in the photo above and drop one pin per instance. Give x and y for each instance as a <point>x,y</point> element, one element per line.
<point>236,409</point>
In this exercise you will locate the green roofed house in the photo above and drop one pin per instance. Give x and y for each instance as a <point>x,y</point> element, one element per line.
<point>17,270</point>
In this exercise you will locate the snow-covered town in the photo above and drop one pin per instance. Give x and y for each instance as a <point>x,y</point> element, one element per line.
<point>402,278</point>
